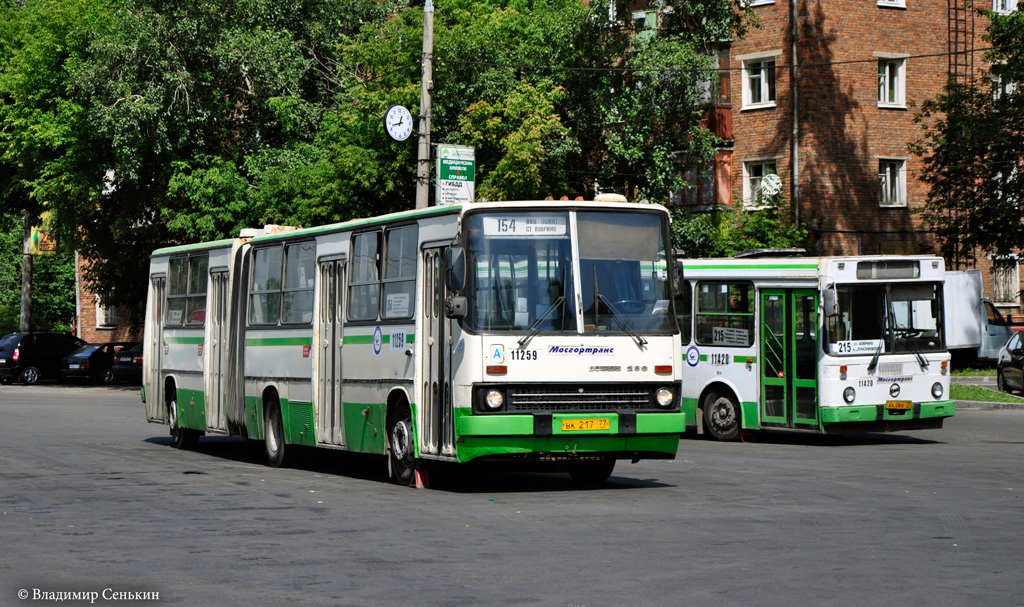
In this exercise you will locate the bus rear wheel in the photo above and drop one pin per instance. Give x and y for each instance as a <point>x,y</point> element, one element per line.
<point>402,464</point>
<point>181,438</point>
<point>279,454</point>
<point>722,416</point>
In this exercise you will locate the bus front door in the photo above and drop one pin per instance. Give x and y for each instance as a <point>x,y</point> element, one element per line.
<point>788,358</point>
<point>437,430</point>
<point>330,425</point>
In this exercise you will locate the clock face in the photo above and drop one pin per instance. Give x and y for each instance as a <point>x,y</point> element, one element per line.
<point>398,123</point>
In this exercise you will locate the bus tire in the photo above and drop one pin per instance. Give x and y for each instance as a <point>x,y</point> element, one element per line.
<point>592,473</point>
<point>401,449</point>
<point>722,416</point>
<point>279,454</point>
<point>181,438</point>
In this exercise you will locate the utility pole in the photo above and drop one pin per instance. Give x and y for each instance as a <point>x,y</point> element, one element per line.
<point>26,279</point>
<point>426,83</point>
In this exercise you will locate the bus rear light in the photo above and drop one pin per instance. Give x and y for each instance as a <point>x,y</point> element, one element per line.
<point>17,353</point>
<point>497,369</point>
<point>842,372</point>
<point>662,368</point>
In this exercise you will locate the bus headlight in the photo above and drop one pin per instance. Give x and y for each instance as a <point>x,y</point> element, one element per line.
<point>849,394</point>
<point>494,400</point>
<point>664,397</point>
<point>937,390</point>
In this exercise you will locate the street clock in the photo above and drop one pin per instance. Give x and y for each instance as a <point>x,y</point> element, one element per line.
<point>398,122</point>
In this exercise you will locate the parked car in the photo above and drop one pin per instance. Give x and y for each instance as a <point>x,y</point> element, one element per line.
<point>93,361</point>
<point>29,357</point>
<point>1010,364</point>
<point>128,365</point>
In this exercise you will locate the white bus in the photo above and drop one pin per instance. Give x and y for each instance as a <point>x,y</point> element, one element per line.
<point>831,344</point>
<point>536,332</point>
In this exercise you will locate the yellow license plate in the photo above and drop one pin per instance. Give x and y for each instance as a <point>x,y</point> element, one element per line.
<point>898,405</point>
<point>577,425</point>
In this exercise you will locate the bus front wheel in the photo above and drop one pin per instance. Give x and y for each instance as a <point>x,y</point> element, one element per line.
<point>400,447</point>
<point>722,416</point>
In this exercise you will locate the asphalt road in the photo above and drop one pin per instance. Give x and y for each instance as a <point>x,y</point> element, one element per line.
<point>93,499</point>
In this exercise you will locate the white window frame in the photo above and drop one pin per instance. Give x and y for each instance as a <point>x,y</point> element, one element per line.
<point>893,78</point>
<point>766,63</point>
<point>1002,87</point>
<point>1006,289</point>
<point>892,3</point>
<point>752,183</point>
<point>892,178</point>
<point>759,2</point>
<point>106,316</point>
<point>1004,7</point>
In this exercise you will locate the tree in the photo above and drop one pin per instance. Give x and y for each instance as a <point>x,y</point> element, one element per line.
<point>144,123</point>
<point>971,149</point>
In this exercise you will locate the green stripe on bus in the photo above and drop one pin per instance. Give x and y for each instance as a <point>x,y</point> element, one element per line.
<point>183,340</point>
<point>729,266</point>
<point>363,340</point>
<point>279,341</point>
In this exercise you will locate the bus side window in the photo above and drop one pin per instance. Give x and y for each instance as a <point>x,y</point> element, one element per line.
<point>297,295</point>
<point>725,313</point>
<point>400,272</point>
<point>364,284</point>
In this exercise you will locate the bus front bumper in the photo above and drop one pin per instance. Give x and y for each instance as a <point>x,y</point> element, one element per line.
<point>624,436</point>
<point>876,418</point>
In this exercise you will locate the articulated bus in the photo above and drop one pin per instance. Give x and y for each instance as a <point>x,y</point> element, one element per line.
<point>541,333</point>
<point>831,345</point>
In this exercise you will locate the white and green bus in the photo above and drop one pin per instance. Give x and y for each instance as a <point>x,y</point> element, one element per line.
<point>831,345</point>
<point>533,332</point>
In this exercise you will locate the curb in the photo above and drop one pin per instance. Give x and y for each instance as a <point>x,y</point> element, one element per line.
<point>978,405</point>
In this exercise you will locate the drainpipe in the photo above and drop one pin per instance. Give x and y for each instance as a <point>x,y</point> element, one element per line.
<point>794,186</point>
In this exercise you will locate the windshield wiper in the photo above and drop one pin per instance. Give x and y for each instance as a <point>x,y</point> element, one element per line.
<point>624,324</point>
<point>534,327</point>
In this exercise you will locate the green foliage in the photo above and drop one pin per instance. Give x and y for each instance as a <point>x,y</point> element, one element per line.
<point>971,149</point>
<point>144,123</point>
<point>53,282</point>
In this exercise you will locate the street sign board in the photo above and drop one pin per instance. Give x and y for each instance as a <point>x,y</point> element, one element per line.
<point>456,174</point>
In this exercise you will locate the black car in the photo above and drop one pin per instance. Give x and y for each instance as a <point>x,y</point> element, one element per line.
<point>1010,364</point>
<point>29,357</point>
<point>93,361</point>
<point>128,365</point>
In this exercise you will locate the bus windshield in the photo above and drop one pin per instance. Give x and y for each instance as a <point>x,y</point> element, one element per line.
<point>886,319</point>
<point>524,272</point>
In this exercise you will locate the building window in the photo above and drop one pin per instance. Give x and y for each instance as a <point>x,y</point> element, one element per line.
<point>753,173</point>
<point>106,315</point>
<point>759,83</point>
<point>893,3</point>
<point>1004,6</point>
<point>1005,280</point>
<point>892,82</point>
<point>1002,87</point>
<point>892,181</point>
<point>759,2</point>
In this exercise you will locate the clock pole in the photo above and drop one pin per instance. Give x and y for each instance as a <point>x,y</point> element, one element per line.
<point>426,83</point>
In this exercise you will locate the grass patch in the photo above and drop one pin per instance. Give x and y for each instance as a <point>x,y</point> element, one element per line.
<point>962,392</point>
<point>988,372</point>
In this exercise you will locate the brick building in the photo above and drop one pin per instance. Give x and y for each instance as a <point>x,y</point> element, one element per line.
<point>95,322</point>
<point>824,94</point>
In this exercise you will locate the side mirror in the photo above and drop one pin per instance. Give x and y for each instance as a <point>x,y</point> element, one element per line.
<point>678,284</point>
<point>455,307</point>
<point>455,268</point>
<point>828,302</point>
